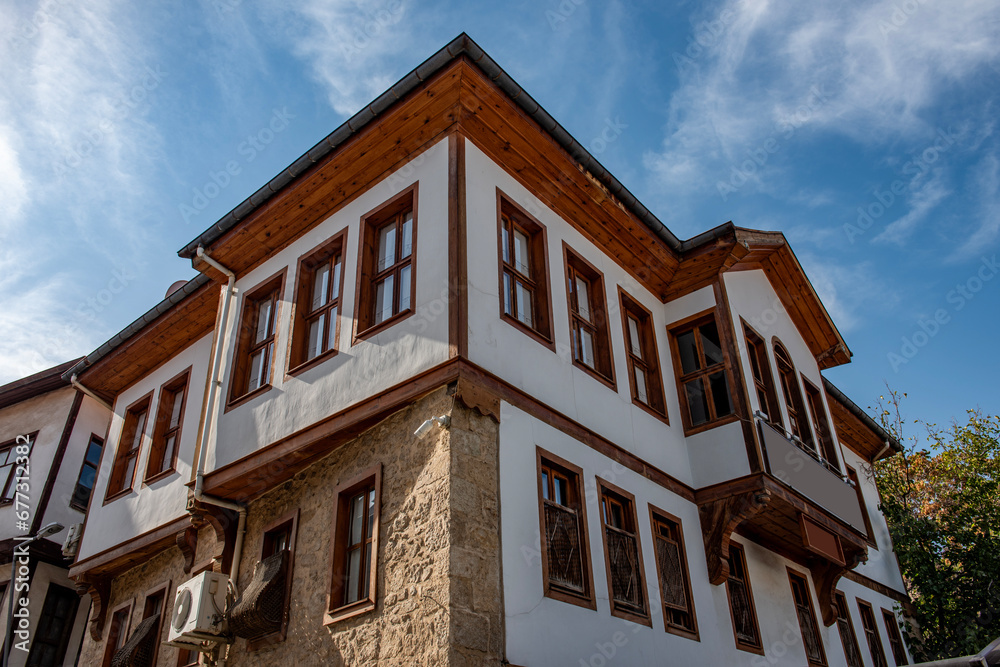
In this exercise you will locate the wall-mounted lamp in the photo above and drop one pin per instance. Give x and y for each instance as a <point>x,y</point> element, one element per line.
<point>444,421</point>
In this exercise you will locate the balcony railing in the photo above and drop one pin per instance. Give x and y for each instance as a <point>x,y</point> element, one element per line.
<point>804,471</point>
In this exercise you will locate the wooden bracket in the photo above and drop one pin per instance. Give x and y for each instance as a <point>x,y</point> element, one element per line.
<point>719,518</point>
<point>826,574</point>
<point>187,541</point>
<point>478,398</point>
<point>223,522</point>
<point>99,589</point>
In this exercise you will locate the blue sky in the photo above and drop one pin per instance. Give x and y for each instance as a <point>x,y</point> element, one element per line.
<point>865,131</point>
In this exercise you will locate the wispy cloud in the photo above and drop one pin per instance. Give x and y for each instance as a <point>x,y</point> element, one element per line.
<point>923,199</point>
<point>847,289</point>
<point>986,229</point>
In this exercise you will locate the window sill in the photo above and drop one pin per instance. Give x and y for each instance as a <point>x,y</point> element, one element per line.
<point>578,599</point>
<point>534,333</point>
<point>163,474</point>
<point>306,365</point>
<point>628,615</point>
<point>608,382</point>
<point>692,430</point>
<point>749,648</point>
<point>378,328</point>
<point>680,632</point>
<point>240,400</point>
<point>653,413</point>
<point>117,495</point>
<point>349,611</point>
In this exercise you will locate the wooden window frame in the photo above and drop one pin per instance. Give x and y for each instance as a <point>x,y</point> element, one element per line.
<point>288,521</point>
<point>324,253</point>
<point>737,548</point>
<point>852,475</point>
<point>798,418</point>
<point>272,288</point>
<point>823,434</point>
<point>574,476</point>
<point>764,385</point>
<point>895,637</point>
<point>117,487</point>
<point>604,359</point>
<point>8,448</point>
<point>538,245</point>
<point>336,611</point>
<point>608,491</point>
<point>161,426</point>
<point>656,402</point>
<point>367,275</point>
<point>847,628</point>
<point>116,633</point>
<point>683,326</point>
<point>657,516</point>
<point>165,589</point>
<point>803,581</point>
<point>64,629</point>
<point>875,649</point>
<point>83,466</point>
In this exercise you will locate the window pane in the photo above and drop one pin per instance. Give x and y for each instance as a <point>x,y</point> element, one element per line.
<point>335,290</point>
<point>521,261</point>
<point>175,413</point>
<point>710,343</point>
<point>633,336</point>
<point>263,321</point>
<point>383,299</point>
<point>585,347</point>
<point>168,453</point>
<point>331,342</point>
<point>357,511</point>
<point>640,384</point>
<point>720,394</point>
<point>404,288</point>
<point>697,401</point>
<point>407,236</point>
<point>129,471</point>
<point>525,311</point>
<point>562,491</point>
<point>353,573</point>
<point>688,352</point>
<point>140,426</point>
<point>366,562</point>
<point>386,247</point>
<point>87,477</point>
<point>321,284</point>
<point>583,299</point>
<point>508,304</point>
<point>93,452</point>
<point>314,344</point>
<point>371,512</point>
<point>256,370</point>
<point>545,485</point>
<point>505,241</point>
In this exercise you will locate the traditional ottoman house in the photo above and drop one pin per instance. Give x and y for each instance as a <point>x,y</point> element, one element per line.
<point>444,392</point>
<point>51,439</point>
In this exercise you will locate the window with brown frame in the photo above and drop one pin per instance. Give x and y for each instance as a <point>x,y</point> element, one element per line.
<point>355,546</point>
<point>52,630</point>
<point>167,428</point>
<point>763,380</point>
<point>672,571</point>
<point>316,327</point>
<point>852,475</point>
<point>895,638</point>
<point>847,636</point>
<point>741,606</point>
<point>88,474</point>
<point>8,465</point>
<point>643,357</point>
<point>798,423</point>
<point>565,549</point>
<point>524,279</point>
<point>622,553</point>
<point>255,346</point>
<point>822,426</point>
<point>154,604</point>
<point>386,280</point>
<point>588,318</point>
<point>702,369</point>
<point>811,638</point>
<point>129,444</point>
<point>117,632</point>
<point>871,634</point>
<point>279,536</point>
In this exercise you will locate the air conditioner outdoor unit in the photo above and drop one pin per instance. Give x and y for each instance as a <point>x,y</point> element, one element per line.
<point>198,611</point>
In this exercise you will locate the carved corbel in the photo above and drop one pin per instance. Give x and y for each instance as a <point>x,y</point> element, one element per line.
<point>99,589</point>
<point>223,521</point>
<point>825,575</point>
<point>719,518</point>
<point>478,398</point>
<point>187,541</point>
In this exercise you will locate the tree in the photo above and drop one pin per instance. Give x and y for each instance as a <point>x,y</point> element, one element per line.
<point>942,505</point>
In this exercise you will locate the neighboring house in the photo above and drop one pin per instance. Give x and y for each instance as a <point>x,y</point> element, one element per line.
<point>66,431</point>
<point>459,398</point>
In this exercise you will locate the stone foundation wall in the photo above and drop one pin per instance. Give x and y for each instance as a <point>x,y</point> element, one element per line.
<point>438,574</point>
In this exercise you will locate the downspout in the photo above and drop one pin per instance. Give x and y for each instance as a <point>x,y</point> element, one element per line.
<point>73,381</point>
<point>210,414</point>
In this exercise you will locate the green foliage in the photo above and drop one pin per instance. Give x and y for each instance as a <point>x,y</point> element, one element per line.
<point>942,505</point>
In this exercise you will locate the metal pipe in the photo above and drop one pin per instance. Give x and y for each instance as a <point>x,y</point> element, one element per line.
<point>73,381</point>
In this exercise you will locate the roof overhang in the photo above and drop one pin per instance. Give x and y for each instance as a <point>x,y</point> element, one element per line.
<point>856,428</point>
<point>35,385</point>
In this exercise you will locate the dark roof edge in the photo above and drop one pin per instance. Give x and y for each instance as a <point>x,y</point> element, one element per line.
<point>35,384</point>
<point>853,408</point>
<point>461,45</point>
<point>138,325</point>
